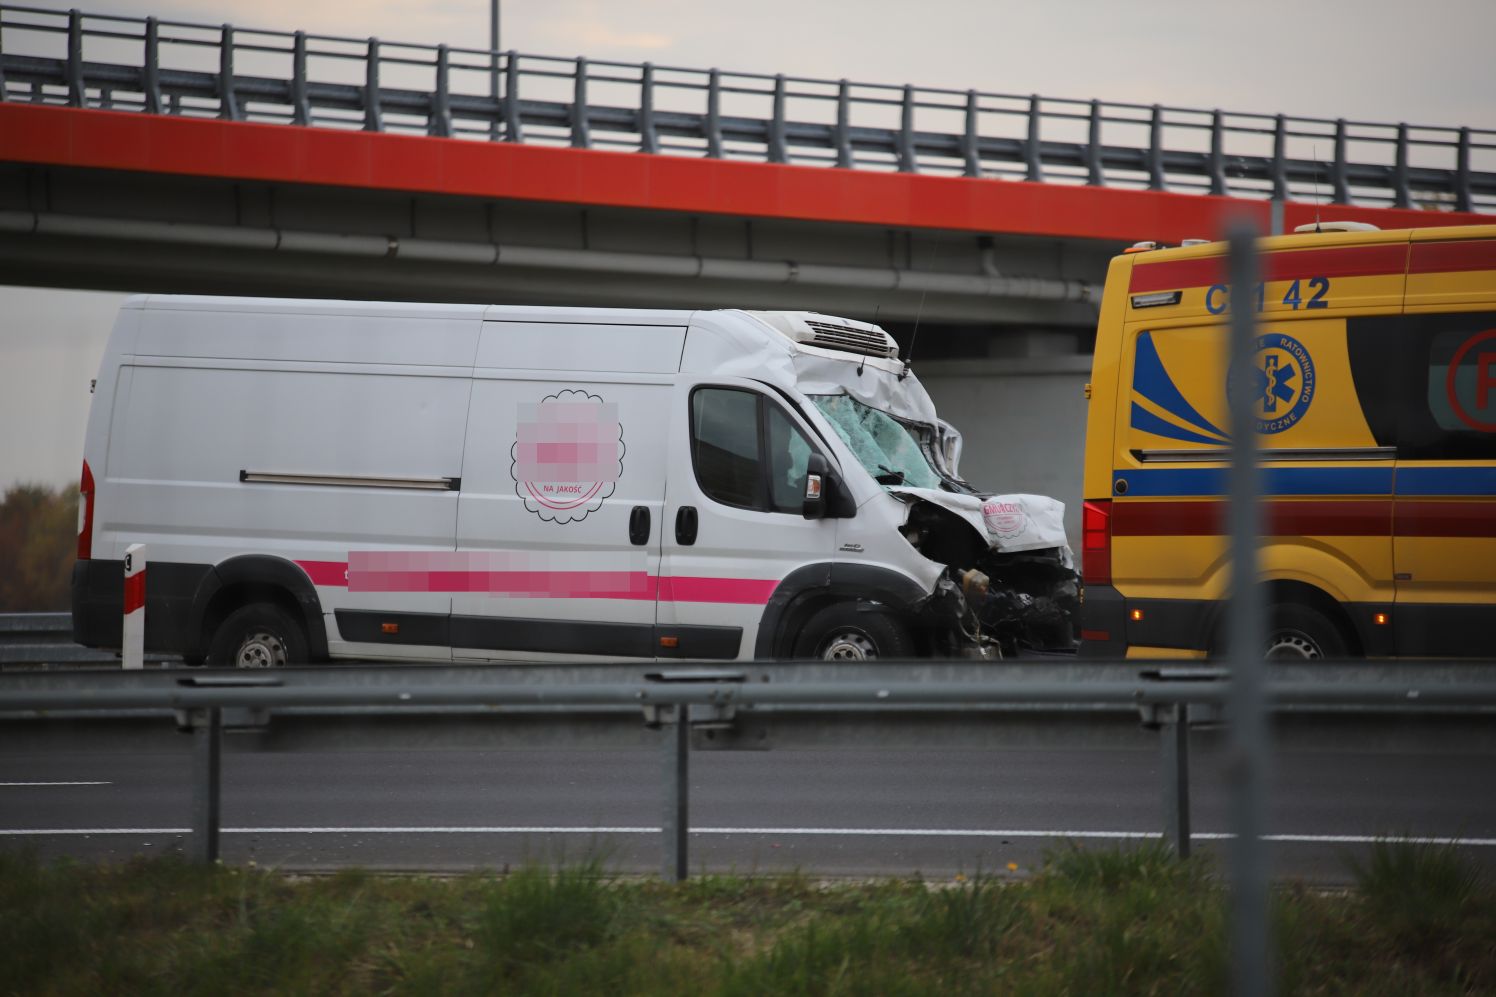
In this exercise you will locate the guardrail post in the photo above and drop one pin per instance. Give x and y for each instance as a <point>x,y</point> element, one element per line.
<point>843,134</point>
<point>152,66</point>
<point>714,115</point>
<point>76,92</point>
<point>1095,167</point>
<point>512,132</point>
<point>1156,149</point>
<point>1031,158</point>
<point>132,645</point>
<point>1174,765</point>
<point>207,772</point>
<point>301,110</point>
<point>581,136</point>
<point>228,106</point>
<point>1280,159</point>
<point>1340,177</point>
<point>1217,154</point>
<point>907,161</point>
<point>1402,196</point>
<point>439,121</point>
<point>649,140</point>
<point>373,117</point>
<point>676,820</point>
<point>778,147</point>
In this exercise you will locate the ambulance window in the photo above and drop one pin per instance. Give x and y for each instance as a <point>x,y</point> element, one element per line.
<point>1427,383</point>
<point>724,445</point>
<point>789,453</point>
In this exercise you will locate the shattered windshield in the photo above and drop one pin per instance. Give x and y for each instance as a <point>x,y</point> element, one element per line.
<point>891,451</point>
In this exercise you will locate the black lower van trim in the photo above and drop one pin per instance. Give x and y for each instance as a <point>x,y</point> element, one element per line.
<point>171,617</point>
<point>367,627</point>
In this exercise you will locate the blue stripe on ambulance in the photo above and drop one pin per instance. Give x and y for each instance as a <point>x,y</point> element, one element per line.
<point>1152,381</point>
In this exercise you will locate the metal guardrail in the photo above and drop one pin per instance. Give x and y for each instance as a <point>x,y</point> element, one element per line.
<point>366,706</point>
<point>173,67</point>
<point>47,639</point>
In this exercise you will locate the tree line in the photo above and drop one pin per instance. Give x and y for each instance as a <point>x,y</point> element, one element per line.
<point>38,543</point>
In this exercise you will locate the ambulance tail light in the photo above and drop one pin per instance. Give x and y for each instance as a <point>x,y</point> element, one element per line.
<point>85,513</point>
<point>1096,542</point>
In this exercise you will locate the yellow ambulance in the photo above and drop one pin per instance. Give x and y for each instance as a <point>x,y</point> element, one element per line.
<point>1374,393</point>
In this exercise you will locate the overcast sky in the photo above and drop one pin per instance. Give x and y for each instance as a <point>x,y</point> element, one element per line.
<point>1374,60</point>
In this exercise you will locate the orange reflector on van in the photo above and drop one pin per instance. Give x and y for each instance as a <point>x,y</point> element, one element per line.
<point>389,628</point>
<point>1136,616</point>
<point>670,642</point>
<point>1380,619</point>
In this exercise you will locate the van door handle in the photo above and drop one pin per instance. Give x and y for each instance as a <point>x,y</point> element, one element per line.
<point>639,526</point>
<point>685,526</point>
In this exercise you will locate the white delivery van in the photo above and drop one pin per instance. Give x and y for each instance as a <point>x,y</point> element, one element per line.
<point>332,479</point>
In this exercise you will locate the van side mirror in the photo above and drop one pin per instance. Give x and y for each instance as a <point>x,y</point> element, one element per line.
<point>825,495</point>
<point>817,471</point>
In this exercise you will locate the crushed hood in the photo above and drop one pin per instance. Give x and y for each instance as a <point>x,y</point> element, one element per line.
<point>1009,523</point>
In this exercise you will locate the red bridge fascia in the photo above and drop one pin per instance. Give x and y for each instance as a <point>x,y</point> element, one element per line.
<point>209,147</point>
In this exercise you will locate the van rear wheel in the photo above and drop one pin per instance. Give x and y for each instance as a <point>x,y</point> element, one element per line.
<point>848,632</point>
<point>260,635</point>
<point>1303,633</point>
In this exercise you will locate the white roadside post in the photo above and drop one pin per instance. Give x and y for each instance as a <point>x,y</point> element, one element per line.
<point>133,647</point>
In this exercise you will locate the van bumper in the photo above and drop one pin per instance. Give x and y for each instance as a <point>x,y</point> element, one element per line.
<point>1103,623</point>
<point>99,605</point>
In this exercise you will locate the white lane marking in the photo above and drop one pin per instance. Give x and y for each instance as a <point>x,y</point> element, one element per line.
<point>56,784</point>
<point>891,832</point>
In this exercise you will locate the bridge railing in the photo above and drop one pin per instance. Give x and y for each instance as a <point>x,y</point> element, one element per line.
<point>222,71</point>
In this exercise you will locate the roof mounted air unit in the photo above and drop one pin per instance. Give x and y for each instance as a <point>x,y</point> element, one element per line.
<point>830,333</point>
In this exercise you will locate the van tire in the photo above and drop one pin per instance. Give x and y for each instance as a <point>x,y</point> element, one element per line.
<point>1302,633</point>
<point>259,635</point>
<point>847,631</point>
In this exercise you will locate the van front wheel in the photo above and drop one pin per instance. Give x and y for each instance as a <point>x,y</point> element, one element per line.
<point>846,632</point>
<point>260,635</point>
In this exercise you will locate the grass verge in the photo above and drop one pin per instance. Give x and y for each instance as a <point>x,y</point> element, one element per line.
<point>1090,922</point>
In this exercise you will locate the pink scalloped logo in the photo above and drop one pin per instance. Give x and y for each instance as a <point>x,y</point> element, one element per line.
<point>567,455</point>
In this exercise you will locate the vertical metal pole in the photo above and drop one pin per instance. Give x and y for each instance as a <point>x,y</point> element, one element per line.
<point>373,118</point>
<point>228,107</point>
<point>1462,172</point>
<point>1402,195</point>
<point>1247,771</point>
<point>511,98</point>
<point>1280,159</point>
<point>301,109</point>
<point>207,746</point>
<point>778,146</point>
<point>76,92</point>
<point>649,139</point>
<point>1034,164</point>
<point>970,142</point>
<point>493,66</point>
<point>439,122</point>
<point>1340,175</point>
<point>1217,154</point>
<point>843,134</point>
<point>1095,167</point>
<point>714,115</point>
<point>1156,149</point>
<point>152,66</point>
<point>676,740</point>
<point>1174,765</point>
<point>907,161</point>
<point>581,136</point>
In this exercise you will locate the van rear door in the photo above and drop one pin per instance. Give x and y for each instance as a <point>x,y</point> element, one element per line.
<point>559,522</point>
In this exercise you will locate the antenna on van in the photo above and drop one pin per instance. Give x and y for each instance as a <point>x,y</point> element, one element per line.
<point>863,362</point>
<point>1315,176</point>
<point>909,353</point>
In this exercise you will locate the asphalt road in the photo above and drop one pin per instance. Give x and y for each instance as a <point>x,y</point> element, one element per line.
<point>828,812</point>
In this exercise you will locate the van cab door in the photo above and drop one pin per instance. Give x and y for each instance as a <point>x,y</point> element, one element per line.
<point>735,526</point>
<point>560,521</point>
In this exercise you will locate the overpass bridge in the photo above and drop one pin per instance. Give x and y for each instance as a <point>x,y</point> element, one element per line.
<point>145,153</point>
<point>153,155</point>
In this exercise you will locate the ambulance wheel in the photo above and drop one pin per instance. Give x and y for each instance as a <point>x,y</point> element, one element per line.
<point>260,635</point>
<point>845,632</point>
<point>1303,633</point>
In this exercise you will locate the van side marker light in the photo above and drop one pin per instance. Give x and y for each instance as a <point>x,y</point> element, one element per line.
<point>389,628</point>
<point>1380,619</point>
<point>1156,298</point>
<point>1136,615</point>
<point>670,642</point>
